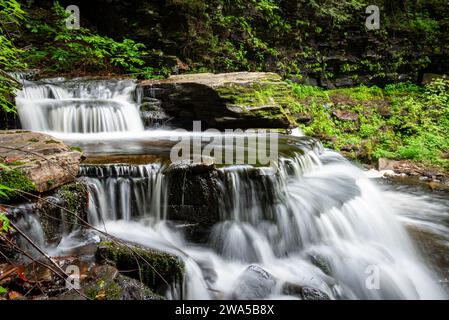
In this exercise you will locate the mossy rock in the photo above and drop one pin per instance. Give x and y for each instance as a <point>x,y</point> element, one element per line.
<point>108,284</point>
<point>224,101</point>
<point>14,179</point>
<point>62,212</point>
<point>155,269</point>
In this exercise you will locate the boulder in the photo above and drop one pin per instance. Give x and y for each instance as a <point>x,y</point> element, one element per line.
<point>108,284</point>
<point>36,161</point>
<point>229,100</point>
<point>64,211</point>
<point>254,283</point>
<point>156,270</point>
<point>194,191</point>
<point>304,292</point>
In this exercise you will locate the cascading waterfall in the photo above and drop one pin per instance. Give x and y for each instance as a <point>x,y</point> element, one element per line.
<point>78,106</point>
<point>125,192</point>
<point>318,227</point>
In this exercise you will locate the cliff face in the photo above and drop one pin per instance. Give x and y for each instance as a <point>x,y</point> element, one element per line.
<point>317,42</point>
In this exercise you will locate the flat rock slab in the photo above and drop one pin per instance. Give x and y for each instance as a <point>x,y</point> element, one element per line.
<point>45,160</point>
<point>219,79</point>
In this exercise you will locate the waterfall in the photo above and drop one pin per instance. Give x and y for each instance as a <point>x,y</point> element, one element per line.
<point>125,192</point>
<point>78,106</point>
<point>319,223</point>
<point>317,228</point>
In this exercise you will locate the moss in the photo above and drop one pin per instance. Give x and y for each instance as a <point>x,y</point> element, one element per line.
<point>17,180</point>
<point>16,163</point>
<point>51,141</point>
<point>75,197</point>
<point>33,140</point>
<point>148,266</point>
<point>103,290</point>
<point>268,99</point>
<point>74,148</point>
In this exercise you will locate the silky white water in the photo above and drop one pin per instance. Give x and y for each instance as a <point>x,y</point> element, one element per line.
<point>78,106</point>
<point>329,213</point>
<point>319,225</point>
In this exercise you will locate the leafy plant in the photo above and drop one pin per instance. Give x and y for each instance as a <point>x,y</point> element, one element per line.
<point>67,50</point>
<point>5,227</point>
<point>11,15</point>
<point>401,121</point>
<point>3,290</point>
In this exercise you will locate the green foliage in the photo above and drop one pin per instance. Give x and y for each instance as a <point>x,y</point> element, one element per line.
<point>66,50</point>
<point>11,15</point>
<point>5,227</point>
<point>285,36</point>
<point>12,180</point>
<point>401,121</point>
<point>438,92</point>
<point>337,11</point>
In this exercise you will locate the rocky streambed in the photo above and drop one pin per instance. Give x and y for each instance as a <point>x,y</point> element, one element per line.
<point>129,222</point>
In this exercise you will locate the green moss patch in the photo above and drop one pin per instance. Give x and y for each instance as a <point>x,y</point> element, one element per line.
<point>14,179</point>
<point>153,268</point>
<point>271,100</point>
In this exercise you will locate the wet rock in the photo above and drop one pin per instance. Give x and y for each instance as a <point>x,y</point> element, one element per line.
<point>226,100</point>
<point>304,292</point>
<point>64,211</point>
<point>191,167</point>
<point>152,113</point>
<point>47,162</point>
<point>438,186</point>
<point>59,213</point>
<point>132,289</point>
<point>193,196</point>
<point>434,248</point>
<point>122,159</point>
<point>320,262</point>
<point>254,283</point>
<point>155,269</point>
<point>108,284</point>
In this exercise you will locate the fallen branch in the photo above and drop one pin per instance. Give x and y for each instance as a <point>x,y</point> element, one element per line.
<point>42,252</point>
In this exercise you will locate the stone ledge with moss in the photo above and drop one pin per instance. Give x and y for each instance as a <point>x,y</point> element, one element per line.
<point>228,100</point>
<point>155,269</point>
<point>32,161</point>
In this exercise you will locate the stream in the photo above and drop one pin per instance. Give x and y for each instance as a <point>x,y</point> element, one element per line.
<point>320,228</point>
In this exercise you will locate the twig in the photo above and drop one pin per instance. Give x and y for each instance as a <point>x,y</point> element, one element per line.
<point>114,239</point>
<point>21,251</point>
<point>35,246</point>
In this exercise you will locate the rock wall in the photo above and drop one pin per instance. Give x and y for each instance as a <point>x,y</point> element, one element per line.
<point>324,42</point>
